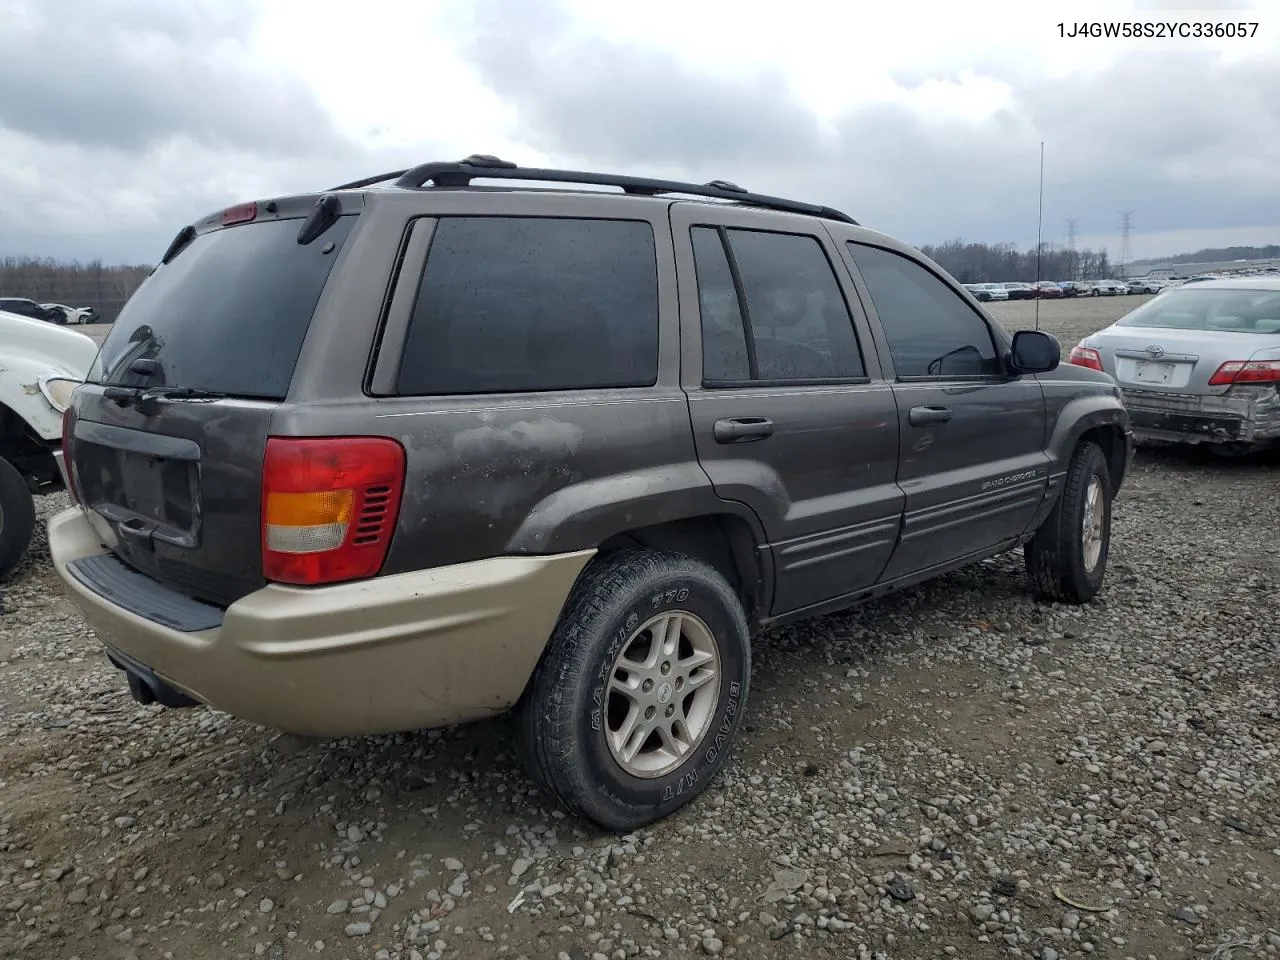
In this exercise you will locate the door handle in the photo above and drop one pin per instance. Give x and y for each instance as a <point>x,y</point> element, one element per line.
<point>742,429</point>
<point>923,416</point>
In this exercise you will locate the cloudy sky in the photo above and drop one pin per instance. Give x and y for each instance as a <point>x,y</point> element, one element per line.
<point>122,120</point>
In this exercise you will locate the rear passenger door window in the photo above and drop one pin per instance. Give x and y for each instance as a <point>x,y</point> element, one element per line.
<point>772,309</point>
<point>527,304</point>
<point>931,330</point>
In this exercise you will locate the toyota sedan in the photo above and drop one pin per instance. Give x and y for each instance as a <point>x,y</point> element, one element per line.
<point>1198,364</point>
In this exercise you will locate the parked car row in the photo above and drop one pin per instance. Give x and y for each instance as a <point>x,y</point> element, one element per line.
<point>49,312</point>
<point>1051,290</point>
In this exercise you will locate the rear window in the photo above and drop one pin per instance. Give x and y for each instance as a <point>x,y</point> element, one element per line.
<point>516,304</point>
<point>1236,311</point>
<point>228,314</point>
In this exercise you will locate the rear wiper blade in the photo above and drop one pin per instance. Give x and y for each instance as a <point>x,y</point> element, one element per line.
<point>121,396</point>
<point>325,214</point>
<point>183,393</point>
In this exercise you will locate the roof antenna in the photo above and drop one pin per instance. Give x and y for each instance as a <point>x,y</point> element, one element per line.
<point>1039,227</point>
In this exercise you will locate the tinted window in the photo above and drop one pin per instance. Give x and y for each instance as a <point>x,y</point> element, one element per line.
<point>227,314</point>
<point>724,341</point>
<point>25,308</point>
<point>798,318</point>
<point>510,304</point>
<point>1197,308</point>
<point>930,329</point>
<point>799,325</point>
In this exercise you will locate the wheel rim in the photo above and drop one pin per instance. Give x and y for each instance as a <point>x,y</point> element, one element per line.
<point>662,695</point>
<point>1092,527</point>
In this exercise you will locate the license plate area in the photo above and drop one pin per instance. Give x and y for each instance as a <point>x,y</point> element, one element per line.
<point>155,496</point>
<point>1153,371</point>
<point>146,486</point>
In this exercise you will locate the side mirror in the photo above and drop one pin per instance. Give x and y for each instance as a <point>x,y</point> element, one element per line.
<point>1034,352</point>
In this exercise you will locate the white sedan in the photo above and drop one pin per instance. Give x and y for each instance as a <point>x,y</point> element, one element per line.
<point>74,314</point>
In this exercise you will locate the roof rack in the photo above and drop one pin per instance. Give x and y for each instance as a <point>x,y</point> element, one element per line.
<point>484,166</point>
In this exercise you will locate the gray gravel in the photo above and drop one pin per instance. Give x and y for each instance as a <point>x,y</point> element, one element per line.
<point>955,771</point>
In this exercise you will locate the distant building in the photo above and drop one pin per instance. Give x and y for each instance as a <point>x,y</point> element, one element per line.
<point>1166,271</point>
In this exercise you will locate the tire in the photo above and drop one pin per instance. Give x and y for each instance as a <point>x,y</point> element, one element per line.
<point>568,713</point>
<point>1057,561</point>
<point>17,518</point>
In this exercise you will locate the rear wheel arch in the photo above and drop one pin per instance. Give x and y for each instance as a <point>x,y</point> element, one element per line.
<point>725,541</point>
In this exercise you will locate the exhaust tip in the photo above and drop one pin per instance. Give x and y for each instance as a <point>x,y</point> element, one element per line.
<point>140,690</point>
<point>146,688</point>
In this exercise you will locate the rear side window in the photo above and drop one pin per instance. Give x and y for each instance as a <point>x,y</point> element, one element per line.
<point>787,322</point>
<point>724,338</point>
<point>228,314</point>
<point>524,304</point>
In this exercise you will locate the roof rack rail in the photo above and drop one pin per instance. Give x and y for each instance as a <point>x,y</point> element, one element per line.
<point>369,181</point>
<point>485,166</point>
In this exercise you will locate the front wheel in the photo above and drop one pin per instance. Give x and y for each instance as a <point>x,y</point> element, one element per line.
<point>1066,560</point>
<point>17,518</point>
<point>634,706</point>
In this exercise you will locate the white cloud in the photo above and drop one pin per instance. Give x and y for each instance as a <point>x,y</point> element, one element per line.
<point>922,118</point>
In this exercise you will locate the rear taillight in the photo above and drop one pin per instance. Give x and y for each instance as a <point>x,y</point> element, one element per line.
<point>68,467</point>
<point>329,507</point>
<point>1246,371</point>
<point>1086,357</point>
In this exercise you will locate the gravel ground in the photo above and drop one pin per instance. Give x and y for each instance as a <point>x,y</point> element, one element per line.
<point>954,771</point>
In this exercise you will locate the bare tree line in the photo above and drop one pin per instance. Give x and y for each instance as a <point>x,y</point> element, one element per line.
<point>106,288</point>
<point>971,262</point>
<point>72,284</point>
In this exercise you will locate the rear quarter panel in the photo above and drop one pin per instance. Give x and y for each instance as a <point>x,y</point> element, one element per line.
<point>489,475</point>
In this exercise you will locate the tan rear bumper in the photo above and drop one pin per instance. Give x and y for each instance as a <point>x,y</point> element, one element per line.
<point>395,653</point>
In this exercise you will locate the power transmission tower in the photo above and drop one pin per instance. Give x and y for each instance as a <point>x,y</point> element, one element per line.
<point>1126,227</point>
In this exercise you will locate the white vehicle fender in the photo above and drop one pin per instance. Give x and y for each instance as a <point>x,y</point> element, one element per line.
<point>23,390</point>
<point>39,365</point>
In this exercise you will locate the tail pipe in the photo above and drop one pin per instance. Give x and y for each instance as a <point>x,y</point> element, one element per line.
<point>146,687</point>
